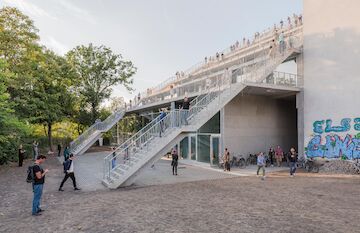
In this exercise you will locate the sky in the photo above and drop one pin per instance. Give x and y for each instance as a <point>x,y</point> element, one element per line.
<point>159,36</point>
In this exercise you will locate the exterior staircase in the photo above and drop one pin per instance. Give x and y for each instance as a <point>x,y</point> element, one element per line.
<point>122,166</point>
<point>94,132</point>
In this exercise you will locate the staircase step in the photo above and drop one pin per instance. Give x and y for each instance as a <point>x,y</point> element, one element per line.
<point>117,173</point>
<point>121,171</point>
<point>124,166</point>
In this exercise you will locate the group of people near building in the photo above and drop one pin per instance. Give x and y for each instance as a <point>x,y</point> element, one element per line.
<point>274,157</point>
<point>279,156</point>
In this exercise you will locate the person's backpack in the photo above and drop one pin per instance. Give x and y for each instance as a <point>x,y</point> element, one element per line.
<point>30,175</point>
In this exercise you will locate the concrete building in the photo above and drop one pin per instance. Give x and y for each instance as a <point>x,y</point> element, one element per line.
<point>331,85</point>
<point>241,99</point>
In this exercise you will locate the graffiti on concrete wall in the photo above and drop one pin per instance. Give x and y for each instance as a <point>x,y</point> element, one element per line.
<point>334,141</point>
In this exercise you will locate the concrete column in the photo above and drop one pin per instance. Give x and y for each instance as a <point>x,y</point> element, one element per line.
<point>300,122</point>
<point>300,103</point>
<point>222,130</point>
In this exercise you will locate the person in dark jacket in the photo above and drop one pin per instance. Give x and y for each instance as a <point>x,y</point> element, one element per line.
<point>21,155</point>
<point>59,149</point>
<point>174,162</point>
<point>66,153</point>
<point>271,156</point>
<point>69,172</point>
<point>292,159</point>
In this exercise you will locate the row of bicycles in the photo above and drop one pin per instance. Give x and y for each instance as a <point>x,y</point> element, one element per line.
<point>309,165</point>
<point>240,161</point>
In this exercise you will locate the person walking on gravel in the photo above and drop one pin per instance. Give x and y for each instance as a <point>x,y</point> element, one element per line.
<point>261,164</point>
<point>292,159</point>
<point>226,159</point>
<point>21,155</point>
<point>38,184</point>
<point>174,162</point>
<point>279,155</point>
<point>69,172</point>
<point>271,156</point>
<point>35,149</point>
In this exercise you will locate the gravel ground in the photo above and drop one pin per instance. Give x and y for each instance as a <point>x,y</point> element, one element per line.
<point>305,203</point>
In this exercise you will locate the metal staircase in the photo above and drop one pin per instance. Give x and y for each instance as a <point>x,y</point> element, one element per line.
<point>94,132</point>
<point>122,166</point>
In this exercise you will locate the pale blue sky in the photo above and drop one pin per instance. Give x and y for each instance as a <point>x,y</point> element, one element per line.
<point>159,36</point>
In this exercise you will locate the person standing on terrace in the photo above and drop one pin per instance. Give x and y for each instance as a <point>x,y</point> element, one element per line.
<point>281,42</point>
<point>185,107</point>
<point>289,22</point>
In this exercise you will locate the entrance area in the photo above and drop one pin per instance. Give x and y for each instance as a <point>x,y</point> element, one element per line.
<point>204,145</point>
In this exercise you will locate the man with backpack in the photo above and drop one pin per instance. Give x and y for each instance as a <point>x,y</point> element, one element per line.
<point>69,172</point>
<point>36,175</point>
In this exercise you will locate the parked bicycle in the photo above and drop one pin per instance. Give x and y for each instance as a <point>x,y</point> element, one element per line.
<point>311,165</point>
<point>238,161</point>
<point>251,160</point>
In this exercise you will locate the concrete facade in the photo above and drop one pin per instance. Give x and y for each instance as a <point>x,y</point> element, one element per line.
<point>332,78</point>
<point>253,123</point>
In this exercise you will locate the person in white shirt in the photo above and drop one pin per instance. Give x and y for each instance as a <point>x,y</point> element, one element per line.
<point>69,172</point>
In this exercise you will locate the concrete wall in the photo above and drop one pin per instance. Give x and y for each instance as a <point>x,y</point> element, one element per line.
<point>332,78</point>
<point>254,123</point>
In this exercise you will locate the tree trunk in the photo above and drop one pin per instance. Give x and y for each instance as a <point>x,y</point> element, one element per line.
<point>94,112</point>
<point>50,136</point>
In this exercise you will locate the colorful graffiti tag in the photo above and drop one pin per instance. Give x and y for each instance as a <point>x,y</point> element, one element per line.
<point>335,145</point>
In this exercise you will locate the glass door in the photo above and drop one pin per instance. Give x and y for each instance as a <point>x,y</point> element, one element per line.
<point>193,146</point>
<point>214,150</point>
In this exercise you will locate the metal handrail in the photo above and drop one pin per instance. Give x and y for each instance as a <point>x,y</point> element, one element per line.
<point>96,129</point>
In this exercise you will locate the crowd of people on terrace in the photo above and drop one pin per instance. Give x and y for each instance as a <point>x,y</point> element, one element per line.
<point>277,44</point>
<point>292,22</point>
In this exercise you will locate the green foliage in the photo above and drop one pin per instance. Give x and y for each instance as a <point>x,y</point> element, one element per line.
<point>99,70</point>
<point>41,92</point>
<point>18,36</point>
<point>12,129</point>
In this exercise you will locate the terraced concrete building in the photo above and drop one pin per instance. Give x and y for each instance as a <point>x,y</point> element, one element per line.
<point>242,100</point>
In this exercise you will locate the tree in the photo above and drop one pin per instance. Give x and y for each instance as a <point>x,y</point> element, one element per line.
<point>18,35</point>
<point>19,48</point>
<point>12,129</point>
<point>52,97</point>
<point>99,70</point>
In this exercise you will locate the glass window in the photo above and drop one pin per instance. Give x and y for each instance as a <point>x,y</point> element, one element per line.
<point>203,148</point>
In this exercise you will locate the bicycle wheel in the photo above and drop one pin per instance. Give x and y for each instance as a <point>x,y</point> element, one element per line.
<point>242,163</point>
<point>315,169</point>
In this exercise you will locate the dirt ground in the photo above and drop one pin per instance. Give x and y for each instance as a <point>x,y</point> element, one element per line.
<point>305,203</point>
